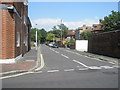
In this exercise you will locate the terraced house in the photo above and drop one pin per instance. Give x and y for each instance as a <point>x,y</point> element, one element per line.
<point>14,30</point>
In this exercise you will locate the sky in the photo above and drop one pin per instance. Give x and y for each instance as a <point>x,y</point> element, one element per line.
<point>73,14</point>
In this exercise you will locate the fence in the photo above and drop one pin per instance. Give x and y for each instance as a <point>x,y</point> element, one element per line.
<point>105,43</point>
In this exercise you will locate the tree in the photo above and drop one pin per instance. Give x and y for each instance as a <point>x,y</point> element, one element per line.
<point>85,35</point>
<point>41,34</point>
<point>50,36</point>
<point>33,34</point>
<point>64,30</point>
<point>55,31</point>
<point>111,22</point>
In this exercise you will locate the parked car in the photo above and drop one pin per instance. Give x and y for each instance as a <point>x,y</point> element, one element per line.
<point>55,46</point>
<point>50,45</point>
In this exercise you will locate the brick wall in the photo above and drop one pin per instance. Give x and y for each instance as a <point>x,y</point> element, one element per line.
<point>0,33</point>
<point>12,23</point>
<point>107,43</point>
<point>7,35</point>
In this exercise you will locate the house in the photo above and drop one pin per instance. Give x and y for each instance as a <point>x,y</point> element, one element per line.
<point>97,27</point>
<point>80,30</point>
<point>71,34</point>
<point>15,31</point>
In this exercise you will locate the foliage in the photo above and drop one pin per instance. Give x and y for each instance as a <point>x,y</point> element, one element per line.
<point>71,41</point>
<point>50,36</point>
<point>55,31</point>
<point>111,22</point>
<point>64,30</point>
<point>41,34</point>
<point>85,35</point>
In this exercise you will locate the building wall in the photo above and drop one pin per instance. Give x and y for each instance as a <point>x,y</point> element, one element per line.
<point>8,35</point>
<point>0,32</point>
<point>107,43</point>
<point>12,24</point>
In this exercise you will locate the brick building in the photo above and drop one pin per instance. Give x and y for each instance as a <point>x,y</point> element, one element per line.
<point>14,31</point>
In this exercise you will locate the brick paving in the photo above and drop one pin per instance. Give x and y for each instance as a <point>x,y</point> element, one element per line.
<point>27,62</point>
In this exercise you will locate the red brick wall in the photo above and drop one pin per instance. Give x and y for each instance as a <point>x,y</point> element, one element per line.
<point>107,43</point>
<point>7,35</point>
<point>13,23</point>
<point>0,33</point>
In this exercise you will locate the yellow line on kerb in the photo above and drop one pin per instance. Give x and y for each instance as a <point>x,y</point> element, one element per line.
<point>29,72</point>
<point>42,63</point>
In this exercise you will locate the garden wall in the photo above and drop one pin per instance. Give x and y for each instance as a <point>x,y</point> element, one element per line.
<point>105,43</point>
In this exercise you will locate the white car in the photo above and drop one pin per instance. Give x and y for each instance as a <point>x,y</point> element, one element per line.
<point>50,45</point>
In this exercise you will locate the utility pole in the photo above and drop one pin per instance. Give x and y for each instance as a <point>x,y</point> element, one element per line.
<point>36,38</point>
<point>61,29</point>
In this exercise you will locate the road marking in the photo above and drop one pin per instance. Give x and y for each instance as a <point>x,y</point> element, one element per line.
<point>42,63</point>
<point>91,57</point>
<point>53,71</point>
<point>83,69</point>
<point>56,52</point>
<point>94,67</point>
<point>80,63</point>
<point>67,70</point>
<point>65,56</point>
<point>16,75</point>
<point>106,67</point>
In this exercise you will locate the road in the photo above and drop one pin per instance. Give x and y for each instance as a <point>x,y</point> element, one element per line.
<point>65,68</point>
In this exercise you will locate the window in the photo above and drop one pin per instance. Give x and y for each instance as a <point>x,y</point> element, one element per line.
<point>18,39</point>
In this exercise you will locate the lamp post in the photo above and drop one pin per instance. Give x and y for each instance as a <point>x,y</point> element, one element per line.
<point>36,37</point>
<point>61,31</point>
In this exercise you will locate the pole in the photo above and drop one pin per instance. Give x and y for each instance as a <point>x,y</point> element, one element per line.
<point>61,30</point>
<point>36,39</point>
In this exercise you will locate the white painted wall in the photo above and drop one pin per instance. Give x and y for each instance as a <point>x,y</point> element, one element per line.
<point>82,45</point>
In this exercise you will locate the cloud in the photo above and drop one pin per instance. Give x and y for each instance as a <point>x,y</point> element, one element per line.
<point>48,23</point>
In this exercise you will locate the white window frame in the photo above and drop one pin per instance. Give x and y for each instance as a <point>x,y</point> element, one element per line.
<point>18,39</point>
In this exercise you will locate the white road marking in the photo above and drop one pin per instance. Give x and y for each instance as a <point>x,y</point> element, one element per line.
<point>80,63</point>
<point>56,52</point>
<point>67,70</point>
<point>106,67</point>
<point>53,71</point>
<point>90,57</point>
<point>30,60</point>
<point>83,69</point>
<point>65,56</point>
<point>94,67</point>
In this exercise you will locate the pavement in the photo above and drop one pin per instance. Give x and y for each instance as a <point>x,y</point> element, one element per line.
<point>66,68</point>
<point>26,63</point>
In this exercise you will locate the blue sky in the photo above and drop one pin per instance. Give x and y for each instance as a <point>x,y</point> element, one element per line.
<point>73,14</point>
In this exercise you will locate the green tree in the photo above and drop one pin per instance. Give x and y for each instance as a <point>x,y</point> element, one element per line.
<point>33,34</point>
<point>64,30</point>
<point>85,35</point>
<point>55,31</point>
<point>50,36</point>
<point>111,22</point>
<point>41,35</point>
